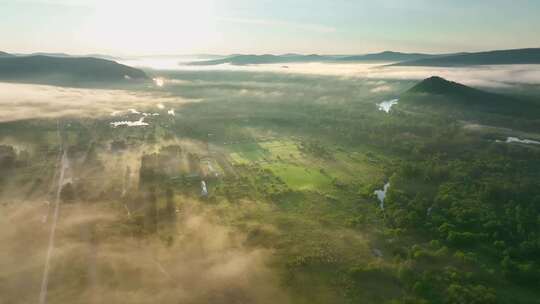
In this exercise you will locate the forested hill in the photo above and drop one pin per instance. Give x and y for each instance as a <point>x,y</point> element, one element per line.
<point>438,93</point>
<point>66,70</point>
<point>458,92</point>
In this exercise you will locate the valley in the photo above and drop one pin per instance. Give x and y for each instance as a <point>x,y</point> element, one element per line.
<point>267,187</point>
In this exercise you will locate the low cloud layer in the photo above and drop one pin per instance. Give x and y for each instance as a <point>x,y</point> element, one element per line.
<point>26,101</point>
<point>309,82</point>
<point>481,76</point>
<point>485,76</point>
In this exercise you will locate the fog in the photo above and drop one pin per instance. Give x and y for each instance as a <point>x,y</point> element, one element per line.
<point>126,107</point>
<point>25,101</point>
<point>96,260</point>
<point>482,76</point>
<point>317,82</point>
<point>165,62</point>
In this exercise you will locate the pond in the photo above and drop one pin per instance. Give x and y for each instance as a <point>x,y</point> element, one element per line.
<point>381,194</point>
<point>522,141</point>
<point>136,123</point>
<point>386,106</point>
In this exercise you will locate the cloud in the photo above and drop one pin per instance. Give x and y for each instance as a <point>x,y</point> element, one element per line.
<point>482,76</point>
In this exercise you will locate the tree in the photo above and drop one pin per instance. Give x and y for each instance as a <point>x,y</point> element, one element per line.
<point>170,208</point>
<point>67,194</point>
<point>7,157</point>
<point>475,294</point>
<point>151,211</point>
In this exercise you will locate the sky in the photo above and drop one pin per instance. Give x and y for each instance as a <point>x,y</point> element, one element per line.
<point>134,27</point>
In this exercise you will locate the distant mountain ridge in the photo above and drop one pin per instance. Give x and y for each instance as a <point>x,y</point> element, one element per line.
<point>516,56</point>
<point>388,56</point>
<point>64,55</point>
<point>66,70</point>
<point>239,59</point>
<point>48,54</point>
<point>4,54</point>
<point>497,57</point>
<point>263,59</point>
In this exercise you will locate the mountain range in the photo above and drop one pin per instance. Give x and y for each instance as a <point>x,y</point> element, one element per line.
<point>239,59</point>
<point>517,56</point>
<point>498,57</point>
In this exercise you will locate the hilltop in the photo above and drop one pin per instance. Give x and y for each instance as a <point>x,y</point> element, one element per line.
<point>440,86</point>
<point>439,94</point>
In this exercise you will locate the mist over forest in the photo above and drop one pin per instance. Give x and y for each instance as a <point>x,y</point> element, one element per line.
<point>261,152</point>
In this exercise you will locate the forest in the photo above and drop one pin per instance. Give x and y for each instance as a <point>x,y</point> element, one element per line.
<point>276,175</point>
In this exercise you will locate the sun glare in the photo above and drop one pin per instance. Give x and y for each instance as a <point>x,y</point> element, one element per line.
<point>171,26</point>
<point>159,81</point>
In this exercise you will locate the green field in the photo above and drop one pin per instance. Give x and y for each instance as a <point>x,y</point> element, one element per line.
<point>300,177</point>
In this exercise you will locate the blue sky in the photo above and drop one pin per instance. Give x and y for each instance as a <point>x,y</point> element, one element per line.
<point>125,27</point>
